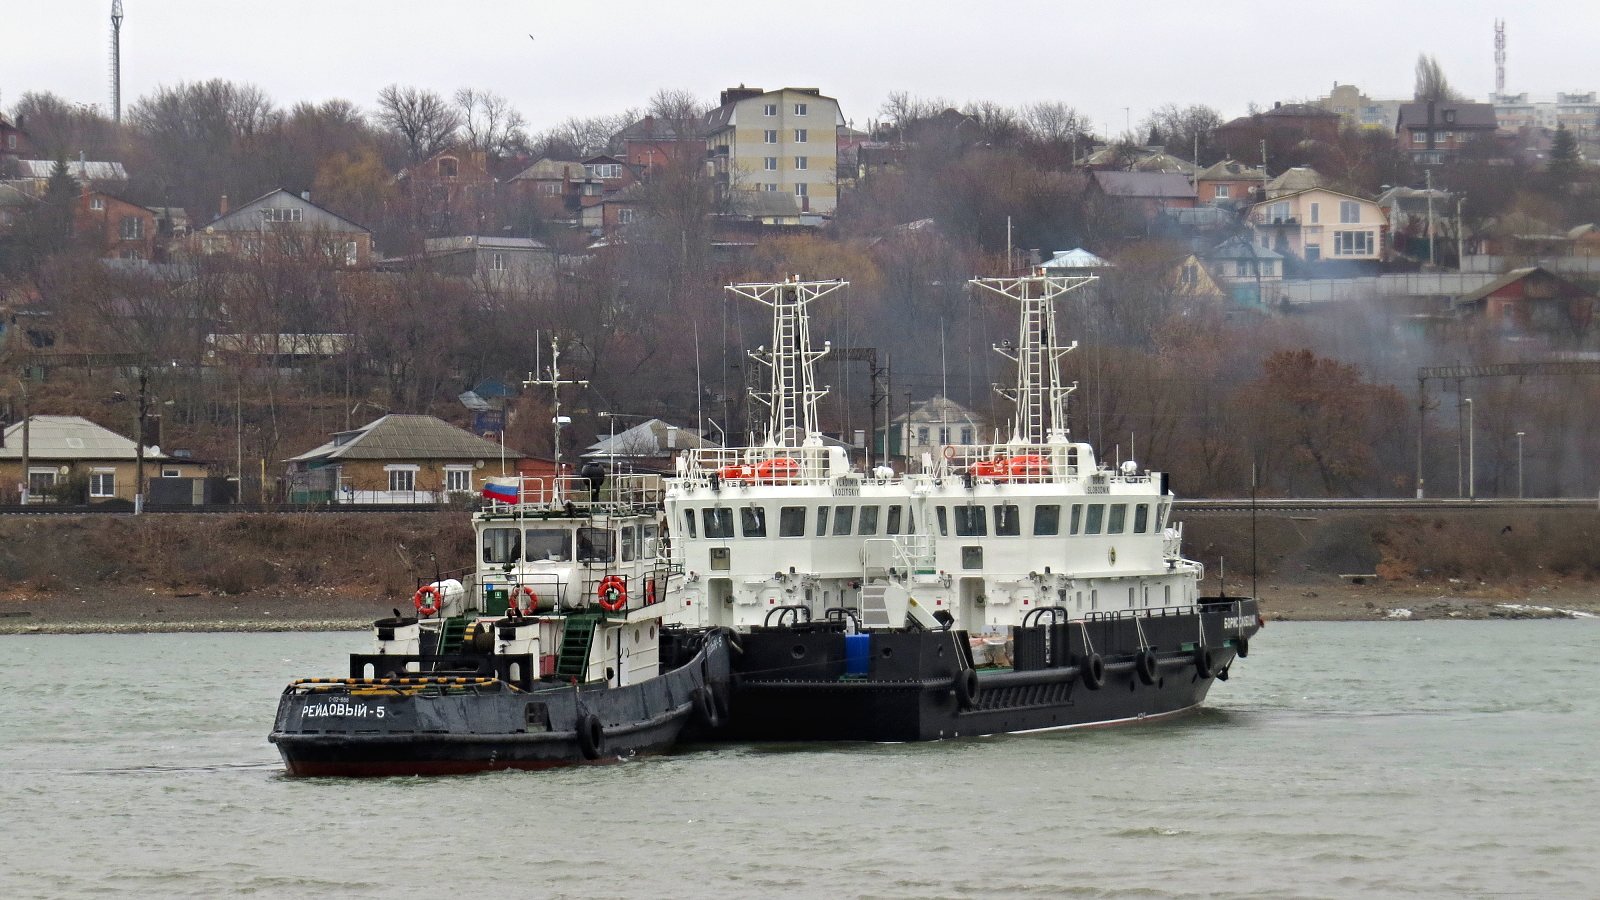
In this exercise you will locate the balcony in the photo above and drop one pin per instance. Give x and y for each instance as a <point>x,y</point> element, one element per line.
<point>1262,218</point>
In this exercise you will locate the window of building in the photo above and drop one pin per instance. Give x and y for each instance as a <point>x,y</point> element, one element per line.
<point>402,478</point>
<point>97,203</point>
<point>1419,138</point>
<point>1316,212</point>
<point>800,162</point>
<point>799,135</point>
<point>842,517</point>
<point>1278,212</point>
<point>281,214</point>
<point>770,187</point>
<point>1047,519</point>
<point>625,215</point>
<point>869,520</point>
<point>102,483</point>
<point>769,109</point>
<point>1352,243</point>
<point>170,473</point>
<point>966,434</point>
<point>971,521</point>
<point>1007,520</point>
<point>132,228</point>
<point>11,142</point>
<point>792,521</point>
<point>719,522</point>
<point>1221,191</point>
<point>922,434</point>
<point>448,167</point>
<point>770,136</point>
<point>1349,212</point>
<point>753,522</point>
<point>1190,276</point>
<point>1450,116</point>
<point>458,479</point>
<point>1242,268</point>
<point>497,262</point>
<point>799,109</point>
<point>549,187</point>
<point>603,170</point>
<point>352,253</point>
<point>770,163</point>
<point>800,189</point>
<point>944,434</point>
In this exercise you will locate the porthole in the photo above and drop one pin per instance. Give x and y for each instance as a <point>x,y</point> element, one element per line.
<point>799,651</point>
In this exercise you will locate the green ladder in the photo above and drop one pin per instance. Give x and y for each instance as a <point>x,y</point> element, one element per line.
<point>576,638</point>
<point>450,640</point>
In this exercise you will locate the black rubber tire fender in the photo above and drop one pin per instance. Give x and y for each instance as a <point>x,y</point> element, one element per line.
<point>1147,666</point>
<point>705,707</point>
<point>1241,647</point>
<point>1204,665</point>
<point>1092,669</point>
<point>967,688</point>
<point>591,737</point>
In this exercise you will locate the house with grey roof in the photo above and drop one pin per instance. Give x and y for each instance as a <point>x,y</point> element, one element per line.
<point>71,459</point>
<point>651,445</point>
<point>397,459</point>
<point>288,224</point>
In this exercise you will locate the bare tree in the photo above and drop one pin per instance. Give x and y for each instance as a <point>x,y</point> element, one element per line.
<point>577,138</point>
<point>1184,130</point>
<point>423,120</point>
<point>1431,83</point>
<point>489,122</point>
<point>1054,122</point>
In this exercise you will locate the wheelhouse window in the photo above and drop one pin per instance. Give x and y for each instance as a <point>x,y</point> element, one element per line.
<point>822,521</point>
<point>944,522</point>
<point>792,521</point>
<point>547,544</point>
<point>1007,520</point>
<point>1119,518</point>
<point>842,516</point>
<point>753,522</point>
<point>1047,519</point>
<point>892,524</point>
<point>1141,518</point>
<point>688,522</point>
<point>629,549</point>
<point>971,521</point>
<point>594,545</point>
<point>651,535</point>
<point>869,520</point>
<point>1095,518</point>
<point>718,522</point>
<point>501,545</point>
<point>1077,518</point>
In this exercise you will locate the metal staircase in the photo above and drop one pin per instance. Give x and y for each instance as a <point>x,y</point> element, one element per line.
<point>874,612</point>
<point>576,639</point>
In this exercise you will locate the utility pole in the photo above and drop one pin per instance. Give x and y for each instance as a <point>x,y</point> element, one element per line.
<point>1520,494</point>
<point>1430,217</point>
<point>116,62</point>
<point>1472,475</point>
<point>26,415</point>
<point>554,382</point>
<point>1461,239</point>
<point>138,442</point>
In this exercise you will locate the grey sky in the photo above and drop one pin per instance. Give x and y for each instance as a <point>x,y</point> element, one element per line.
<point>597,58</point>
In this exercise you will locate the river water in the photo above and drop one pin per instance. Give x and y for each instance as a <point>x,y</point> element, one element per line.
<point>1342,759</point>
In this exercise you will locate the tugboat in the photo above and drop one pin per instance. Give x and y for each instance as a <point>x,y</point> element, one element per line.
<point>1006,587</point>
<point>549,651</point>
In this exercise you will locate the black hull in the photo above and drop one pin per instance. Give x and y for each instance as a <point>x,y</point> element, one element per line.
<point>365,730</point>
<point>795,684</point>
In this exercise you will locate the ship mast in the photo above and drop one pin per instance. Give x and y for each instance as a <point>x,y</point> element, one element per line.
<point>1039,395</point>
<point>792,400</point>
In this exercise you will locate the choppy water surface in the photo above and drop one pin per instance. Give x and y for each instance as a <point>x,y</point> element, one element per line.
<point>1431,758</point>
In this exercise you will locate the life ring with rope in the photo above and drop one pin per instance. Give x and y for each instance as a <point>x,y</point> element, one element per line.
<point>432,606</point>
<point>512,607</point>
<point>612,592</point>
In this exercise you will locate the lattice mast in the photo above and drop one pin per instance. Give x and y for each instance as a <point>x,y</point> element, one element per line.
<point>792,400</point>
<point>1499,56</point>
<point>116,61</point>
<point>1039,394</point>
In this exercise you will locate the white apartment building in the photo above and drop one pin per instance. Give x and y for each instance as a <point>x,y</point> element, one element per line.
<point>782,143</point>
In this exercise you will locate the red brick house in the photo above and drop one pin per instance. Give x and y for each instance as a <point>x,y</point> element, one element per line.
<point>652,142</point>
<point>1434,132</point>
<point>119,229</point>
<point>14,142</point>
<point>1229,182</point>
<point>1533,300</point>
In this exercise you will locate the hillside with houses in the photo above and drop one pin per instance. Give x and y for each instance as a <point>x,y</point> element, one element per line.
<point>331,303</point>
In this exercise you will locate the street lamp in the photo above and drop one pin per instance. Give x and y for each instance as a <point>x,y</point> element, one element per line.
<point>1520,494</point>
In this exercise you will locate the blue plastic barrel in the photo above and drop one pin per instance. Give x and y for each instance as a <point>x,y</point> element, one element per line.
<point>857,654</point>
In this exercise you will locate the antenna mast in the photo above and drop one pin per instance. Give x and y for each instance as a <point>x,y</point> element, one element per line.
<point>1040,396</point>
<point>116,61</point>
<point>1499,56</point>
<point>792,401</point>
<point>554,382</point>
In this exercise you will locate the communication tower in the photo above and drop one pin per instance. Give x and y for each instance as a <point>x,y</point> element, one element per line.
<point>116,61</point>
<point>1499,56</point>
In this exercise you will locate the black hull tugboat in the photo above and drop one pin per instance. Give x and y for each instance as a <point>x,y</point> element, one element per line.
<point>998,588</point>
<point>549,652</point>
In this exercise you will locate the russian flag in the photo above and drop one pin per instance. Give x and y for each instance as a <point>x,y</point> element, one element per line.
<point>500,492</point>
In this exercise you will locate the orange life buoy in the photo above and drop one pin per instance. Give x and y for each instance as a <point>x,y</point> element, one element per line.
<point>650,592</point>
<point>613,593</point>
<point>432,606</point>
<point>513,609</point>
